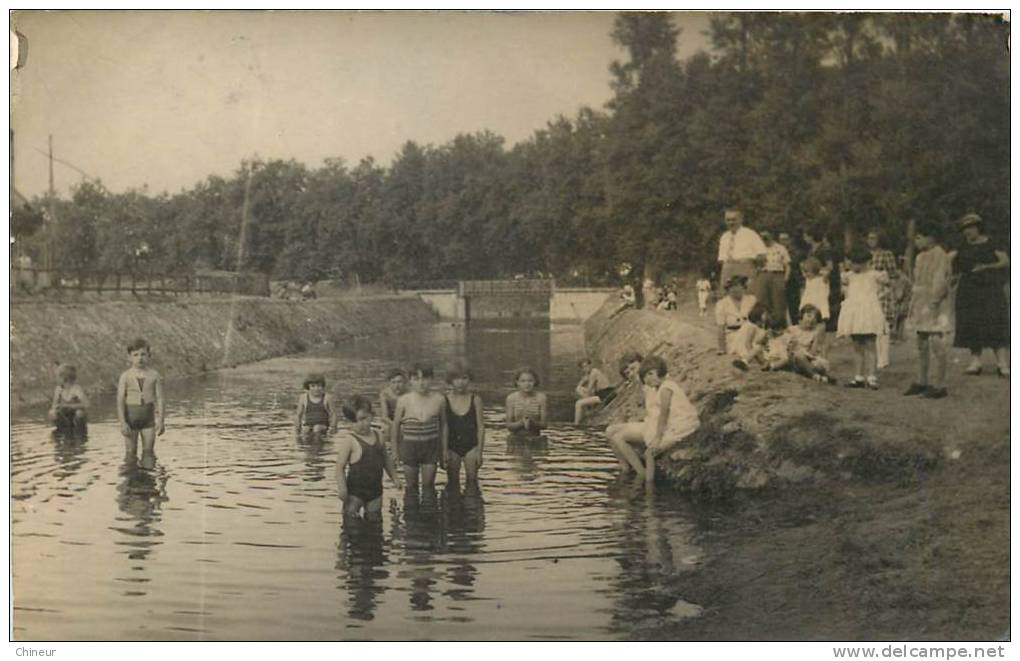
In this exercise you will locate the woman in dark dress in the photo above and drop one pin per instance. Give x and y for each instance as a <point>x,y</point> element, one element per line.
<point>982,316</point>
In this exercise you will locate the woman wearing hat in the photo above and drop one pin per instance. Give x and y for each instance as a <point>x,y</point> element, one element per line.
<point>982,316</point>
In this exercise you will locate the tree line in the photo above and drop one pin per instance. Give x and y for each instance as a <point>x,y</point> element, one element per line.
<point>843,122</point>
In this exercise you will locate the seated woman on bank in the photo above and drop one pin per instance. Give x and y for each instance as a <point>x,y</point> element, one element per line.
<point>593,390</point>
<point>526,408</point>
<point>731,316</point>
<point>669,418</point>
<point>69,410</point>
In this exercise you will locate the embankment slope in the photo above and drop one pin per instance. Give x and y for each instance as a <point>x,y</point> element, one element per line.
<point>188,337</point>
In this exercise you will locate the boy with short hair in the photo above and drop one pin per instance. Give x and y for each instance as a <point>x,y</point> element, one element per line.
<point>141,408</point>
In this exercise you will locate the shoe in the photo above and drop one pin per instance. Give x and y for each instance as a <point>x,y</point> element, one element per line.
<point>973,370</point>
<point>916,389</point>
<point>871,383</point>
<point>856,382</point>
<point>740,364</point>
<point>936,393</point>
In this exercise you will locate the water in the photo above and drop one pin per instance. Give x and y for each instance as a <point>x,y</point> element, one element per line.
<point>236,533</point>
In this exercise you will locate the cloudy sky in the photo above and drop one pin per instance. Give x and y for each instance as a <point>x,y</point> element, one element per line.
<point>167,98</point>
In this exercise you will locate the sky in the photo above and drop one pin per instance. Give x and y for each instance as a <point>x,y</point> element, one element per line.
<point>164,99</point>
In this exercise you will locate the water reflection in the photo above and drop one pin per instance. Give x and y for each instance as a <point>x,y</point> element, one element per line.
<point>68,451</point>
<point>141,494</point>
<point>464,518</point>
<point>362,558</point>
<point>656,549</point>
<point>526,450</point>
<point>318,455</point>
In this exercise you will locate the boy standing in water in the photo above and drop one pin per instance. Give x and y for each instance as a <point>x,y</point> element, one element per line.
<point>418,437</point>
<point>70,404</point>
<point>361,460</point>
<point>141,409</point>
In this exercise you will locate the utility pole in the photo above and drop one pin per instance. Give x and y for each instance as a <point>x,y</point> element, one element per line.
<point>53,216</point>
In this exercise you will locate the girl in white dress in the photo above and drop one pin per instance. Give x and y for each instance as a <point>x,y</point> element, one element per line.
<point>861,317</point>
<point>669,418</point>
<point>816,287</point>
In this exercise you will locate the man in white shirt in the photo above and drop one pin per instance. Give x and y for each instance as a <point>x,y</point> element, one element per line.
<point>741,250</point>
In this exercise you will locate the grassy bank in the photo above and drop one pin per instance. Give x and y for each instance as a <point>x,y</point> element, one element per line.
<point>187,337</point>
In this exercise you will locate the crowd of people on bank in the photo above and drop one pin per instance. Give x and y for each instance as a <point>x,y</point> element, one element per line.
<point>782,296</point>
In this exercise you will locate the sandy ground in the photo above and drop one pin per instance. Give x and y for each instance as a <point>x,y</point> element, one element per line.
<point>924,559</point>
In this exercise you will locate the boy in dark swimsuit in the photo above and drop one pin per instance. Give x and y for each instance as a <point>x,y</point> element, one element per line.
<point>466,425</point>
<point>360,462</point>
<point>141,409</point>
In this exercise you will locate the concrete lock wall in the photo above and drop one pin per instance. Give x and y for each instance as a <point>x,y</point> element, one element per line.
<point>577,304</point>
<point>445,303</point>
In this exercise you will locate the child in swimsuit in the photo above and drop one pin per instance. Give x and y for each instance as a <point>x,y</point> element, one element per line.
<point>419,435</point>
<point>360,462</point>
<point>526,409</point>
<point>314,412</point>
<point>141,409</point>
<point>467,429</point>
<point>68,411</point>
<point>396,385</point>
<point>593,390</point>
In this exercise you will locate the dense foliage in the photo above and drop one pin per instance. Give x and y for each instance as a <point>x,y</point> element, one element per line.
<point>847,121</point>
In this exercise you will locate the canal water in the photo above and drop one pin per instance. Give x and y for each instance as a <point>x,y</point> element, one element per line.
<point>236,533</point>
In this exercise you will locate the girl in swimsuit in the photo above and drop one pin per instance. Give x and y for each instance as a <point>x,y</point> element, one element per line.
<point>314,412</point>
<point>419,435</point>
<point>466,429</point>
<point>526,409</point>
<point>360,462</point>
<point>141,409</point>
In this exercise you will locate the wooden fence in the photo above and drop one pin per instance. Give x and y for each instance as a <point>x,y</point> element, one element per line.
<point>32,280</point>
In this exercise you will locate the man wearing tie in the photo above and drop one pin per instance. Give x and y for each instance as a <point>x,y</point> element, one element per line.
<point>741,250</point>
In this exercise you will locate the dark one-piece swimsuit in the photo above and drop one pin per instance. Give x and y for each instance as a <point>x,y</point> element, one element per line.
<point>463,428</point>
<point>364,479</point>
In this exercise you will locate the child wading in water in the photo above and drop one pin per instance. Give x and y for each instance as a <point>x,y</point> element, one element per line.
<point>669,418</point>
<point>141,409</point>
<point>69,409</point>
<point>526,409</point>
<point>396,385</point>
<point>861,317</point>
<point>360,462</point>
<point>593,390</point>
<point>930,313</point>
<point>419,433</point>
<point>464,416</point>
<point>315,414</point>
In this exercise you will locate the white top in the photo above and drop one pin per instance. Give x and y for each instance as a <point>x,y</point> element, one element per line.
<point>743,244</point>
<point>683,417</point>
<point>731,315</point>
<point>704,285</point>
<point>777,258</point>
